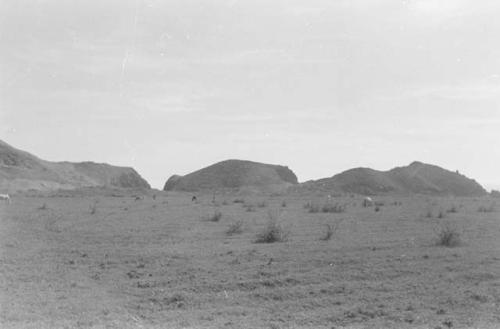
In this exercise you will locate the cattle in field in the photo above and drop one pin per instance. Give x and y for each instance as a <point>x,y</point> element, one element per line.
<point>367,202</point>
<point>5,197</point>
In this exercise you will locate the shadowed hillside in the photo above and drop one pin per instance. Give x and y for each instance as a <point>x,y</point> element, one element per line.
<point>416,178</point>
<point>234,174</point>
<point>20,170</point>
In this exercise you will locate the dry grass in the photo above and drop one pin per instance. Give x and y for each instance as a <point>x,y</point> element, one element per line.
<point>165,268</point>
<point>273,231</point>
<point>448,235</point>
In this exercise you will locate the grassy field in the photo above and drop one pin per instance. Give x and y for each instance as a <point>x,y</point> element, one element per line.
<point>118,262</point>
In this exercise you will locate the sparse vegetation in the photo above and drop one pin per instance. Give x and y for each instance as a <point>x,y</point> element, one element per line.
<point>333,208</point>
<point>235,228</point>
<point>490,208</point>
<point>249,207</point>
<point>215,217</point>
<point>93,208</point>
<point>262,204</point>
<point>448,235</point>
<point>331,228</point>
<point>274,230</point>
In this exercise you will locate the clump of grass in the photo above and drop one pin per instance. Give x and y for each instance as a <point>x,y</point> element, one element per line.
<point>490,208</point>
<point>331,228</point>
<point>429,214</point>
<point>235,228</point>
<point>441,214</point>
<point>333,208</point>
<point>377,209</point>
<point>448,236</point>
<point>313,208</point>
<point>43,206</point>
<point>283,204</point>
<point>225,203</point>
<point>93,208</point>
<point>452,209</point>
<point>262,204</point>
<point>239,201</point>
<point>215,217</point>
<point>249,207</point>
<point>273,232</point>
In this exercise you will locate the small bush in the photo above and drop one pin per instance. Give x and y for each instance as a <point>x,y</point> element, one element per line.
<point>482,208</point>
<point>238,201</point>
<point>448,236</point>
<point>249,207</point>
<point>313,208</point>
<point>283,204</point>
<point>215,217</point>
<point>452,209</point>
<point>377,208</point>
<point>429,214</point>
<point>43,207</point>
<point>331,229</point>
<point>441,214</point>
<point>225,203</point>
<point>332,208</point>
<point>235,228</point>
<point>262,204</point>
<point>93,208</point>
<point>273,232</point>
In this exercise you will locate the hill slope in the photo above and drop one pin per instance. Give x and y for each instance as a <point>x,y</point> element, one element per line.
<point>20,170</point>
<point>233,174</point>
<point>416,178</point>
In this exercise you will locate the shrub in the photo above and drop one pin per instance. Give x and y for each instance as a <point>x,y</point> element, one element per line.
<point>482,208</point>
<point>441,214</point>
<point>262,204</point>
<point>273,232</point>
<point>235,228</point>
<point>429,214</point>
<point>93,208</point>
<point>452,209</point>
<point>215,217</point>
<point>43,206</point>
<point>249,207</point>
<point>238,201</point>
<point>377,208</point>
<point>332,208</point>
<point>331,229</point>
<point>448,236</point>
<point>283,204</point>
<point>313,208</point>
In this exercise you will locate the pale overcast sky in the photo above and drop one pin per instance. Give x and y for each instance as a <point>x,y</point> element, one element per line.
<point>319,85</point>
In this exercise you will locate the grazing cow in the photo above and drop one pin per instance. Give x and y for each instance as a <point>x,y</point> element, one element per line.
<point>193,199</point>
<point>5,197</point>
<point>367,202</point>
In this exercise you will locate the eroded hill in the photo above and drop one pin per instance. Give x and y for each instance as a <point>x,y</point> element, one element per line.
<point>20,171</point>
<point>416,178</point>
<point>234,174</point>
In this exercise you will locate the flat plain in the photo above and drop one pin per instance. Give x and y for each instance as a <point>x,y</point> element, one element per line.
<point>102,261</point>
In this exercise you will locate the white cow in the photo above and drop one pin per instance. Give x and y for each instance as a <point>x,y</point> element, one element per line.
<point>367,202</point>
<point>5,197</point>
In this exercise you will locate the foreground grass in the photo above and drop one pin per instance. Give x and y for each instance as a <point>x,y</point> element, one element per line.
<point>161,267</point>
